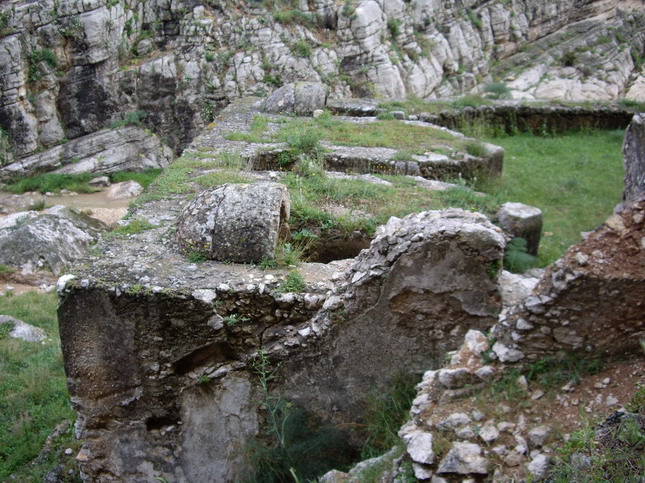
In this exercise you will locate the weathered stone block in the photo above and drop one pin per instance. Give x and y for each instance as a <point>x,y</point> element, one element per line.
<point>235,222</point>
<point>300,98</point>
<point>522,221</point>
<point>634,152</point>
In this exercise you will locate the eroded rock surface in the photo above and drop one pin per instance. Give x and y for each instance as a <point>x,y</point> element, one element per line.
<point>237,223</point>
<point>50,241</point>
<point>299,98</point>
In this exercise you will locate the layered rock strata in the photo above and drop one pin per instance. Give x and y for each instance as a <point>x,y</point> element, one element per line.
<point>69,69</point>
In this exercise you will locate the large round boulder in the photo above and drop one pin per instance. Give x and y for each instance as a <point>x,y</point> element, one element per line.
<point>235,222</point>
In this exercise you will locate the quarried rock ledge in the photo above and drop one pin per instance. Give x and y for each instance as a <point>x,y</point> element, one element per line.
<point>161,354</point>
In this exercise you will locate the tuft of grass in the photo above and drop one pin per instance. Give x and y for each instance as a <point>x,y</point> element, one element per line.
<point>516,260</point>
<point>613,452</point>
<point>301,48</point>
<point>385,415</point>
<point>196,256</point>
<point>132,228</point>
<point>33,389</point>
<point>497,90</point>
<point>475,148</point>
<point>144,178</point>
<point>292,283</point>
<point>132,118</point>
<point>470,100</point>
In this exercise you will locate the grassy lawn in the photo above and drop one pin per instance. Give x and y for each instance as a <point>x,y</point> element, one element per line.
<point>576,179</point>
<point>33,390</point>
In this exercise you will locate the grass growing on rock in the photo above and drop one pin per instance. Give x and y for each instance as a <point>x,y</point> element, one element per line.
<point>33,391</point>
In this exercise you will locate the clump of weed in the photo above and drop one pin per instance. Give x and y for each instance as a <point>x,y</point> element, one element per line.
<point>475,148</point>
<point>196,256</point>
<point>132,118</point>
<point>132,228</point>
<point>497,90</point>
<point>385,414</point>
<point>516,258</point>
<point>300,447</point>
<point>470,100</point>
<point>294,282</point>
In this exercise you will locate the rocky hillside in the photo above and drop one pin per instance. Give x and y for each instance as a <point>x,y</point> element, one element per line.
<point>70,68</point>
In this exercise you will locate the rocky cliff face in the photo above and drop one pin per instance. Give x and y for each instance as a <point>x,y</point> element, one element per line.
<point>70,68</point>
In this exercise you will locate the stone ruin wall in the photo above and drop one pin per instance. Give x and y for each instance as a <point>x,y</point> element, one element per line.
<point>165,387</point>
<point>135,361</point>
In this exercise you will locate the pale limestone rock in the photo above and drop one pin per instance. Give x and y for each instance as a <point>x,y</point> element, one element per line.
<point>22,330</point>
<point>124,190</point>
<point>464,459</point>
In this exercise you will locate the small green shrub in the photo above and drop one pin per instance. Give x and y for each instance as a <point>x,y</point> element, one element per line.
<point>474,19</point>
<point>35,58</point>
<point>132,118</point>
<point>294,16</point>
<point>637,401</point>
<point>394,27</point>
<point>196,256</point>
<point>497,90</point>
<point>516,259</point>
<point>233,319</point>
<point>308,167</point>
<point>301,48</point>
<point>569,59</point>
<point>469,100</point>
<point>475,148</point>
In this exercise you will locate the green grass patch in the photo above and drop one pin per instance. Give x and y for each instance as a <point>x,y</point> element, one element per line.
<point>144,178</point>
<point>132,228</point>
<point>79,183</point>
<point>575,179</point>
<point>614,453</point>
<point>53,183</point>
<point>33,390</point>
<point>256,134</point>
<point>292,283</point>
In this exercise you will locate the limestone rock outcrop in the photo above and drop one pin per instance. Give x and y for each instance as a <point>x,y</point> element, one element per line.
<point>299,98</point>
<point>70,69</point>
<point>47,242</point>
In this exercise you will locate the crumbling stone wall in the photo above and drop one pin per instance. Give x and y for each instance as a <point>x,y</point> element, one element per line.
<point>589,300</point>
<point>162,371</point>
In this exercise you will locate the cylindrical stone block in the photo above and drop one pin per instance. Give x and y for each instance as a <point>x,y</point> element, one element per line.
<point>235,222</point>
